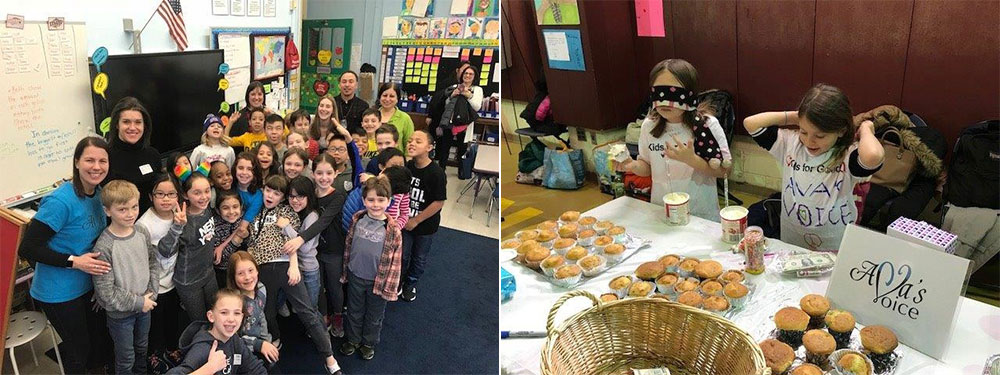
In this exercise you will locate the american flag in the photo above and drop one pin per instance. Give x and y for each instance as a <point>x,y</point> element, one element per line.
<point>170,10</point>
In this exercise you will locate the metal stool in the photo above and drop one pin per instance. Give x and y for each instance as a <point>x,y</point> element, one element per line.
<point>24,327</point>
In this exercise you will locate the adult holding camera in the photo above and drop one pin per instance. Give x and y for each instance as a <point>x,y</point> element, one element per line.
<point>453,110</point>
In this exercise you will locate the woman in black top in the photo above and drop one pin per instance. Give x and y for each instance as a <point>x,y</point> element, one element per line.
<point>254,99</point>
<point>132,158</point>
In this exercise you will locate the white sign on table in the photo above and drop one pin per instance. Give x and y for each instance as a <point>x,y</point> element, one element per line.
<point>912,289</point>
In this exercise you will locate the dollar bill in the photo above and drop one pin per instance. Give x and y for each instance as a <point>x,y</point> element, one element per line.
<point>811,261</point>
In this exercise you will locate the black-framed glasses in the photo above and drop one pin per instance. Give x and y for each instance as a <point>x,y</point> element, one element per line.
<point>296,197</point>
<point>159,195</point>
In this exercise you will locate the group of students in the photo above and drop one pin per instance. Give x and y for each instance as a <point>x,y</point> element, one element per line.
<point>821,161</point>
<point>225,239</point>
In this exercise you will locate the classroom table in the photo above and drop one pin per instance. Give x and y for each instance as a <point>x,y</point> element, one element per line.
<point>975,338</point>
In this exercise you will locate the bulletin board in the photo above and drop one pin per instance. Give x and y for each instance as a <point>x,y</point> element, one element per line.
<point>255,49</point>
<point>419,65</point>
<point>326,54</point>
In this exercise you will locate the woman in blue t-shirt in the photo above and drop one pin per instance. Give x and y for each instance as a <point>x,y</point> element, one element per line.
<point>59,240</point>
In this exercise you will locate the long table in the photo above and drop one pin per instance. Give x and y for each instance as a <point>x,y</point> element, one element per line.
<point>975,338</point>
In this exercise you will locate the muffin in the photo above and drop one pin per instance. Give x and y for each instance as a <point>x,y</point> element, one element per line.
<point>666,283</point>
<point>601,241</point>
<point>732,276</point>
<point>686,285</point>
<point>546,238</point>
<point>569,216</point>
<point>534,257</point>
<point>511,244</point>
<point>791,323</point>
<point>587,222</point>
<point>576,254</point>
<point>692,299</point>
<point>819,344</point>
<point>711,287</point>
<point>569,230</point>
<point>649,271</point>
<point>586,237</point>
<point>568,275</point>
<point>563,245</point>
<point>670,262</point>
<point>525,235</point>
<point>716,304</point>
<point>619,285</point>
<point>816,306</point>
<point>853,364</point>
<point>609,297</point>
<point>617,233</point>
<point>614,252</point>
<point>777,355</point>
<point>592,264</point>
<point>550,264</point>
<point>525,247</point>
<point>640,289</point>
<point>735,293</point>
<point>708,269</point>
<point>602,227</point>
<point>547,225</point>
<point>879,342</point>
<point>686,266</point>
<point>840,324</point>
<point>807,369</point>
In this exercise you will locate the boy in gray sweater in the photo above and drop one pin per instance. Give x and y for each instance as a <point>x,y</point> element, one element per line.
<point>129,291</point>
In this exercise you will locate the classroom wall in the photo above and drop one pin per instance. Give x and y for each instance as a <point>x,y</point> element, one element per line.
<point>940,59</point>
<point>367,25</point>
<point>104,21</point>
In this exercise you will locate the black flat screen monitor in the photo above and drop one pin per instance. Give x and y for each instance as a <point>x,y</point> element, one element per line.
<point>177,88</point>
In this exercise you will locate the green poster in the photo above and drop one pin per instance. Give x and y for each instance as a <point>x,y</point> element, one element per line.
<point>326,55</point>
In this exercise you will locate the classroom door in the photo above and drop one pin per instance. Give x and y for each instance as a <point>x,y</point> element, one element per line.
<point>326,54</point>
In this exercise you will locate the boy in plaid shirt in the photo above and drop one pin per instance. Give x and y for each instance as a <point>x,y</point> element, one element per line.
<point>372,264</point>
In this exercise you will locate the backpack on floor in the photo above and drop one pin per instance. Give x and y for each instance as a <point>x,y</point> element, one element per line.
<point>974,173</point>
<point>468,161</point>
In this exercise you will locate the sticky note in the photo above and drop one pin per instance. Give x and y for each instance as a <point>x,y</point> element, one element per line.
<point>477,52</point>
<point>486,68</point>
<point>489,53</point>
<point>423,81</point>
<point>432,87</point>
<point>487,59</point>
<point>420,51</point>
<point>437,59</point>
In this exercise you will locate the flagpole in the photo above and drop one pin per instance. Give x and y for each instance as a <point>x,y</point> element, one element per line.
<point>137,35</point>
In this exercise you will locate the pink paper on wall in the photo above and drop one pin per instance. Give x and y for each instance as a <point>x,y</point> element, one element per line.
<point>649,18</point>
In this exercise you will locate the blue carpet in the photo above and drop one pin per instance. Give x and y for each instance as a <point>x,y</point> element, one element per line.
<point>451,328</point>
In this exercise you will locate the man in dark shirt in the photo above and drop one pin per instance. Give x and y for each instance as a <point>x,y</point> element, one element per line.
<point>349,105</point>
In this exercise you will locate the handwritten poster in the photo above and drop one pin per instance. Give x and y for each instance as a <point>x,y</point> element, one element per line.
<point>238,8</point>
<point>557,12</point>
<point>254,8</point>
<point>220,7</point>
<point>564,49</point>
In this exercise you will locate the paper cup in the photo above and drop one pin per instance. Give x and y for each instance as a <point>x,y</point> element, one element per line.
<point>676,207</point>
<point>734,222</point>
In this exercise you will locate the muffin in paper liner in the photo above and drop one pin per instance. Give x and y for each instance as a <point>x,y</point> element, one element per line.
<point>613,258</point>
<point>651,290</point>
<point>668,289</point>
<point>621,292</point>
<point>527,234</point>
<point>836,370</point>
<point>596,270</point>
<point>568,282</point>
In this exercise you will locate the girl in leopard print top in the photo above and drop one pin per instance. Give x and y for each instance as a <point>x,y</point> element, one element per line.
<point>275,224</point>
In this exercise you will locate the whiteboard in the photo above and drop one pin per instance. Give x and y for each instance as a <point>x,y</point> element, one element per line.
<point>46,105</point>
<point>237,55</point>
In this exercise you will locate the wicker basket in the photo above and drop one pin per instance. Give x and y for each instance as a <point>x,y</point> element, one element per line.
<point>641,333</point>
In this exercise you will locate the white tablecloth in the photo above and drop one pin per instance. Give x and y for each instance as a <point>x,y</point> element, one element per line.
<point>975,337</point>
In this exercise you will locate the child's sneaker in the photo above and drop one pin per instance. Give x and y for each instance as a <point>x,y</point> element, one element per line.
<point>337,325</point>
<point>409,293</point>
<point>348,348</point>
<point>367,352</point>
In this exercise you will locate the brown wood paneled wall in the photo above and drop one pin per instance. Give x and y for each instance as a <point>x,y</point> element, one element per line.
<point>939,59</point>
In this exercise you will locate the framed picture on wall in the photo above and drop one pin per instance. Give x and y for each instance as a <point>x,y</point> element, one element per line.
<point>268,56</point>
